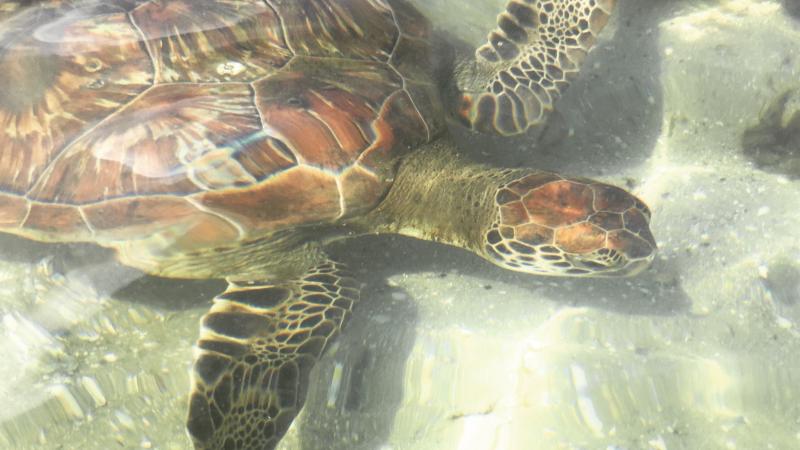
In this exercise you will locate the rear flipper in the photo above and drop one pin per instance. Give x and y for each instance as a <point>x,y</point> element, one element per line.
<point>528,62</point>
<point>257,346</point>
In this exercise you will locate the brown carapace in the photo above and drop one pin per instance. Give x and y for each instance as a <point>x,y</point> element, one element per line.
<point>129,118</point>
<point>234,139</point>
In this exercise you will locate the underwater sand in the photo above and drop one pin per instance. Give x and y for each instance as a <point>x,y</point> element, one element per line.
<point>693,105</point>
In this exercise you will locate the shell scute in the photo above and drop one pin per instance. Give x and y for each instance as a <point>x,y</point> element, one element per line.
<point>580,238</point>
<point>13,210</point>
<point>265,157</point>
<point>61,74</point>
<point>228,41</point>
<point>398,130</point>
<point>357,29</point>
<point>173,218</point>
<point>559,203</point>
<point>160,144</point>
<point>331,120</point>
<point>151,119</point>
<point>295,196</point>
<point>48,220</point>
<point>361,189</point>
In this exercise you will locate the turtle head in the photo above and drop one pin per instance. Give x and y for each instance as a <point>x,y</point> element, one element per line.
<point>550,225</point>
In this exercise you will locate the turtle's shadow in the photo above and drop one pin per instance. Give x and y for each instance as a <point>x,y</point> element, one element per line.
<point>109,278</point>
<point>655,292</point>
<point>609,120</point>
<point>357,388</point>
<point>372,354</point>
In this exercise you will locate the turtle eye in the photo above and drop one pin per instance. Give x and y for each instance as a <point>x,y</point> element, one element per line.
<point>93,65</point>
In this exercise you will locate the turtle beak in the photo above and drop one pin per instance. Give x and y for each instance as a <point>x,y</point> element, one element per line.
<point>632,268</point>
<point>626,254</point>
<point>637,267</point>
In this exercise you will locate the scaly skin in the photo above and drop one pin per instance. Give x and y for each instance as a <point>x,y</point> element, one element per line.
<point>524,220</point>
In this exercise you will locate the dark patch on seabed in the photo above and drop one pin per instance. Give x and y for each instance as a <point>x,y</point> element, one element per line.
<point>792,8</point>
<point>773,144</point>
<point>783,282</point>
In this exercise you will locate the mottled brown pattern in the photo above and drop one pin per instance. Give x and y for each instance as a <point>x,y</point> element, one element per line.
<point>580,238</point>
<point>265,157</point>
<point>554,227</point>
<point>331,108</point>
<point>505,196</point>
<point>191,137</point>
<point>361,190</point>
<point>212,40</point>
<point>48,220</point>
<point>612,199</point>
<point>513,214</point>
<point>397,131</point>
<point>607,220</point>
<point>532,181</point>
<point>158,145</point>
<point>360,29</point>
<point>327,122</point>
<point>202,232</point>
<point>559,203</point>
<point>632,245</point>
<point>534,234</point>
<point>136,212</point>
<point>180,222</point>
<point>637,223</point>
<point>12,210</point>
<point>56,82</point>
<point>300,195</point>
<point>328,137</point>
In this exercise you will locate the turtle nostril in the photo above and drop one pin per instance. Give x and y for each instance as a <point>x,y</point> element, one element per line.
<point>635,267</point>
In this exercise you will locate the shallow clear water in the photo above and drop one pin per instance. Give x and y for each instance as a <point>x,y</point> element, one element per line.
<point>694,106</point>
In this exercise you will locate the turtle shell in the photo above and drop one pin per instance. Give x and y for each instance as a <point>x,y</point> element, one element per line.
<point>205,123</point>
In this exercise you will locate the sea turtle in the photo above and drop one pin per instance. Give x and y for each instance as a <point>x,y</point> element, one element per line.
<point>234,139</point>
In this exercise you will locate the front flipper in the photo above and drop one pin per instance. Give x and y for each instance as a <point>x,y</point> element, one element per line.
<point>528,62</point>
<point>257,346</point>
